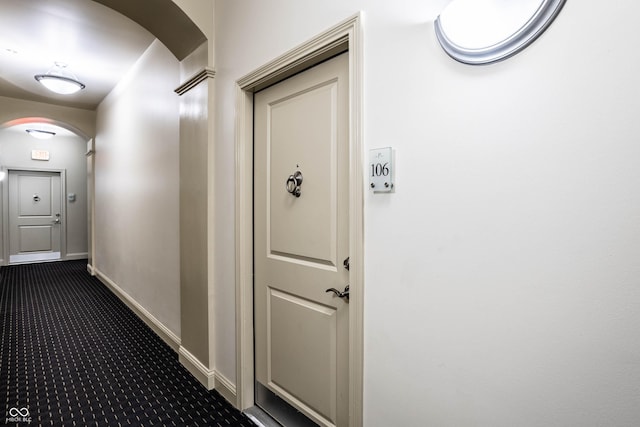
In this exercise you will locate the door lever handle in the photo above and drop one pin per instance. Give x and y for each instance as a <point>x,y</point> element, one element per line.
<point>344,294</point>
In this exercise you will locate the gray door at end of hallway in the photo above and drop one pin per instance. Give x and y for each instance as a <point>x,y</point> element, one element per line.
<point>35,221</point>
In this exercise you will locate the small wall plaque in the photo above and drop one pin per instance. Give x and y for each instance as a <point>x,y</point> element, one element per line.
<point>381,170</point>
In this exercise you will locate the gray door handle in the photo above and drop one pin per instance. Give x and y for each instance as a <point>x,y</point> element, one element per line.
<point>344,294</point>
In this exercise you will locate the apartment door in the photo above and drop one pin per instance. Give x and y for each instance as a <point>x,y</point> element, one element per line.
<point>301,246</point>
<point>35,222</point>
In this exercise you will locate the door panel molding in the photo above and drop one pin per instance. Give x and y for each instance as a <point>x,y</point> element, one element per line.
<point>280,330</point>
<point>284,217</point>
<point>345,36</point>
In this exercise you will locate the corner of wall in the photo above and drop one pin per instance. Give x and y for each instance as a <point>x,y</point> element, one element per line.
<point>196,207</point>
<point>211,379</point>
<point>203,374</point>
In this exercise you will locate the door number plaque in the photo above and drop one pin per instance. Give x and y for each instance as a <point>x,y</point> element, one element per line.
<point>381,170</point>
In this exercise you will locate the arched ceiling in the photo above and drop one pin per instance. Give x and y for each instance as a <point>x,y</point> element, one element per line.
<point>99,40</point>
<point>165,20</point>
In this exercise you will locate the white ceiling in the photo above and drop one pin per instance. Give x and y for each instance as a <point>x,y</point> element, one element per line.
<point>98,44</point>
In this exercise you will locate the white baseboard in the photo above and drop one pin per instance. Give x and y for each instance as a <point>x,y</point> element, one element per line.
<point>207,377</point>
<point>161,330</point>
<point>78,255</point>
<point>225,387</point>
<point>203,374</point>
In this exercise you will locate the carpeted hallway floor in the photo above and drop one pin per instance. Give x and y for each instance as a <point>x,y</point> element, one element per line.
<point>74,354</point>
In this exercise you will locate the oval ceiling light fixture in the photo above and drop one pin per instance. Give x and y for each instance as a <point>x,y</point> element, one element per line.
<point>59,80</point>
<point>41,134</point>
<point>480,32</point>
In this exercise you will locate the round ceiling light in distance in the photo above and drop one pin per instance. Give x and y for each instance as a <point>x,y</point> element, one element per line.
<point>41,134</point>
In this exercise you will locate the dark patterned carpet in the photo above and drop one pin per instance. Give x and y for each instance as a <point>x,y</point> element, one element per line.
<point>74,355</point>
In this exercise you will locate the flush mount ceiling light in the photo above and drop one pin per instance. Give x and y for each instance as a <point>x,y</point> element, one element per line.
<point>41,134</point>
<point>484,31</point>
<point>59,80</point>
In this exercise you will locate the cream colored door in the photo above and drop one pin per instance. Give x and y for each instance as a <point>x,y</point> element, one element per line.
<point>34,216</point>
<point>301,243</point>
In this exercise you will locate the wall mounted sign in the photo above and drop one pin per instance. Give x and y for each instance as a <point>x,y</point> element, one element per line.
<point>484,31</point>
<point>381,170</point>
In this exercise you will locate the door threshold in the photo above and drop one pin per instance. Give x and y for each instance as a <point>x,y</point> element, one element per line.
<point>30,258</point>
<point>278,410</point>
<point>260,418</point>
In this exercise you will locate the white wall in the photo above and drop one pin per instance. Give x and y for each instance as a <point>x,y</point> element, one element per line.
<point>137,186</point>
<point>66,153</point>
<point>502,276</point>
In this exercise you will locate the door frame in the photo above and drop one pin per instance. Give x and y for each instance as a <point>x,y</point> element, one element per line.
<point>344,37</point>
<point>91,206</point>
<point>5,209</point>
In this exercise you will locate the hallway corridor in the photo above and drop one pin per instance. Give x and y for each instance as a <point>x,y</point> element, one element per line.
<point>74,354</point>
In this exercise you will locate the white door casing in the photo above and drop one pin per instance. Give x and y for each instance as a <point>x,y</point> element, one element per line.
<point>302,239</point>
<point>91,215</point>
<point>35,216</point>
